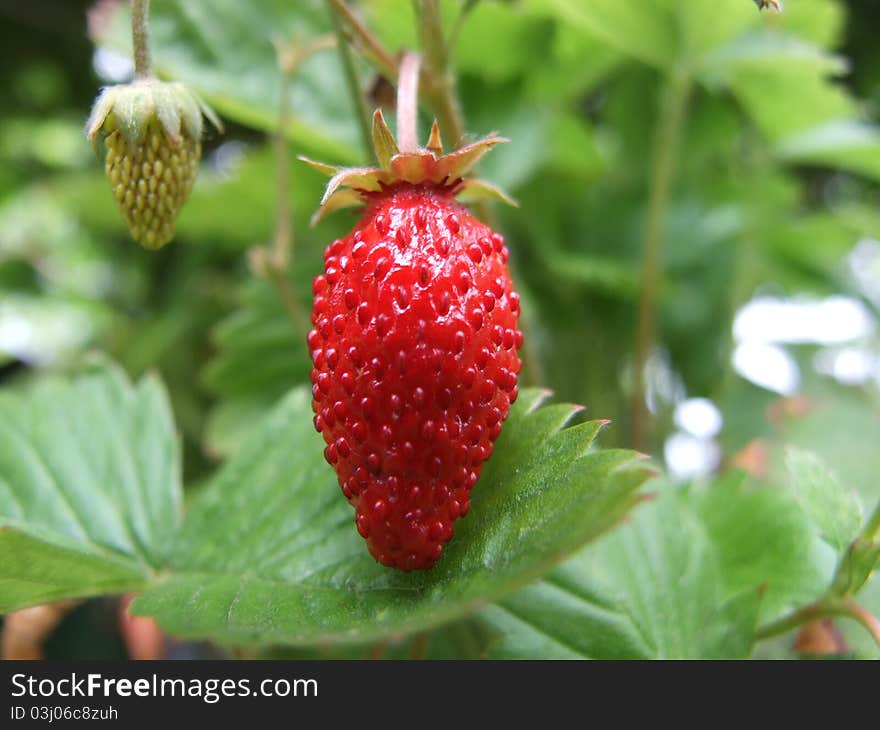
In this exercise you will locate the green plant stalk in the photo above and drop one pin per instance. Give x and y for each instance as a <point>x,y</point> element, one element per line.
<point>672,115</point>
<point>140,38</point>
<point>829,607</point>
<point>872,527</point>
<point>466,7</point>
<point>352,79</point>
<point>282,242</point>
<point>408,103</point>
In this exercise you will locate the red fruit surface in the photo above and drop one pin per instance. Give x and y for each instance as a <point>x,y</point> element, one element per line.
<point>414,348</point>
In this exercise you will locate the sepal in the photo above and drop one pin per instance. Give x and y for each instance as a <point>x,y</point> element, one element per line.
<point>427,165</point>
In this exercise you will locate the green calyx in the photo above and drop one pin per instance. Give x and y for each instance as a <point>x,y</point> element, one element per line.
<point>427,164</point>
<point>132,108</point>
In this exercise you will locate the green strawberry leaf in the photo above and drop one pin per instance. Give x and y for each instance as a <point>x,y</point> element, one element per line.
<point>687,577</point>
<point>269,552</point>
<point>90,494</point>
<point>836,512</point>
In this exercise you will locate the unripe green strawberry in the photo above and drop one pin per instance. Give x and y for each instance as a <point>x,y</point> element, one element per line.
<point>152,133</point>
<point>414,345</point>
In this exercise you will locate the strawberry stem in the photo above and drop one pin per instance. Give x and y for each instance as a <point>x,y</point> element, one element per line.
<point>140,38</point>
<point>407,102</point>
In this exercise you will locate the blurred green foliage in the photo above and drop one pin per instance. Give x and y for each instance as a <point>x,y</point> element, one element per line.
<point>775,183</point>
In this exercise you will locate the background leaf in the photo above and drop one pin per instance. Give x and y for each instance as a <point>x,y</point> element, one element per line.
<point>89,487</point>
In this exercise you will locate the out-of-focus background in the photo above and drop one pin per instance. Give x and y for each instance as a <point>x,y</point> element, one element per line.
<point>742,147</point>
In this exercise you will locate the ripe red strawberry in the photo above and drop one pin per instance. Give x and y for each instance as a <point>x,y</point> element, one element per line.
<point>414,347</point>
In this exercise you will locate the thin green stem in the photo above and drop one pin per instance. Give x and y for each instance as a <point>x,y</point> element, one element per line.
<point>832,604</point>
<point>370,45</point>
<point>140,38</point>
<point>827,607</point>
<point>671,118</point>
<point>742,281</point>
<point>352,79</point>
<point>283,240</point>
<point>437,78</point>
<point>438,85</point>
